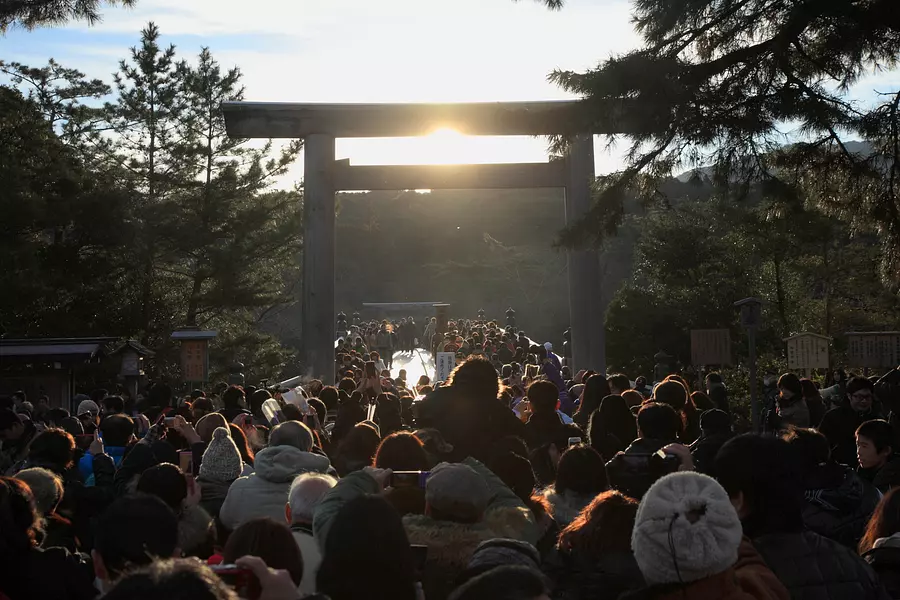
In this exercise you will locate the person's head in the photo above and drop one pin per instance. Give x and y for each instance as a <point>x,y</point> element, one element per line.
<point>874,443</point>
<point>201,407</point>
<point>88,411</point>
<point>117,430</point>
<point>603,527</point>
<point>72,426</point>
<point>455,492</point>
<point>618,383</point>
<point>476,378</point>
<point>46,487</point>
<point>810,447</point>
<point>762,478</point>
<point>713,380</point>
<point>884,522</point>
<point>19,518</point>
<point>167,482</point>
<point>160,395</point>
<point>178,579</point>
<point>11,426</point>
<point>291,433</point>
<point>543,396</point>
<point>208,424</point>
<point>861,393</point>
<point>633,398</point>
<point>357,449</point>
<point>686,529</point>
<point>789,387</point>
<point>53,448</point>
<point>596,388</point>
<point>401,451</point>
<point>515,471</point>
<point>702,401</point>
<point>515,582</point>
<point>658,421</point>
<point>233,397</point>
<point>53,418</point>
<point>329,396</point>
<point>256,401</point>
<point>243,444</point>
<point>367,554</point>
<point>671,392</point>
<point>809,390</point>
<point>133,531</point>
<point>271,541</point>
<point>581,470</point>
<point>307,490</point>
<point>112,405</point>
<point>222,461</point>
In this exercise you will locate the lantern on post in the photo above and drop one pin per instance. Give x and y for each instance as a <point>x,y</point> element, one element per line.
<point>132,367</point>
<point>751,319</point>
<point>356,317</point>
<point>481,314</point>
<point>511,319</point>
<point>341,323</point>
<point>236,374</point>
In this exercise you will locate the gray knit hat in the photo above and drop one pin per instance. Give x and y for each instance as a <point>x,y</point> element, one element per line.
<point>221,460</point>
<point>685,529</point>
<point>87,406</point>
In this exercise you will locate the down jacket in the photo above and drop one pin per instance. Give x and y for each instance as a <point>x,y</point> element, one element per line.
<point>265,492</point>
<point>813,567</point>
<point>838,503</point>
<point>884,558</point>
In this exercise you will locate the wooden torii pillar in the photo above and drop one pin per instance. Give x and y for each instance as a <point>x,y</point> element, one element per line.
<point>320,124</point>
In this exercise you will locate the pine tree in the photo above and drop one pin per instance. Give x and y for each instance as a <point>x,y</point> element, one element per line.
<point>716,80</point>
<point>42,13</point>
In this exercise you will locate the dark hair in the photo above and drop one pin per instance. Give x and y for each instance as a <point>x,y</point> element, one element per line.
<point>659,421</point>
<point>714,378</point>
<point>366,554</point>
<point>329,397</point>
<point>510,582</point>
<point>347,384</point>
<point>596,389</point>
<point>581,469</point>
<point>233,396</point>
<point>243,445</point>
<point>19,519</point>
<point>515,471</point>
<point>791,382</point>
<point>54,415</point>
<point>179,579</point>
<point>543,396</point>
<point>766,471</point>
<point>113,405</point>
<point>702,401</point>
<point>859,383</point>
<point>809,389</point>
<point>204,404</point>
<point>476,378</point>
<point>271,541</point>
<point>616,418</point>
<point>879,432</point>
<point>884,522</point>
<point>620,380</point>
<point>401,451</point>
<point>134,531</point>
<point>810,446</point>
<point>167,482</point>
<point>117,430</point>
<point>603,527</point>
<point>8,419</point>
<point>256,401</point>
<point>53,448</point>
<point>160,395</point>
<point>671,392</point>
<point>357,449</point>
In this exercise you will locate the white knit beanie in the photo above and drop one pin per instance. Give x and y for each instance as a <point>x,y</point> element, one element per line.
<point>221,460</point>
<point>686,529</point>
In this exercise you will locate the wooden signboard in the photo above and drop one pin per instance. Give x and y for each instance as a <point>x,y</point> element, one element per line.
<point>877,350</point>
<point>710,347</point>
<point>807,351</point>
<point>194,360</point>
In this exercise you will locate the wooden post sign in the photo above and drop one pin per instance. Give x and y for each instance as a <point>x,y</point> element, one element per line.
<point>807,351</point>
<point>194,354</point>
<point>710,347</point>
<point>877,349</point>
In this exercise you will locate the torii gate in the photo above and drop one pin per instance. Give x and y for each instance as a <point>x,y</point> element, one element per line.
<point>320,124</point>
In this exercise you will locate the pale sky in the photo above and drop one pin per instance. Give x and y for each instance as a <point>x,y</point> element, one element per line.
<point>371,51</point>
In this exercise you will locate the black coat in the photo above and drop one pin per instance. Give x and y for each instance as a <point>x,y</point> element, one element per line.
<point>839,425</point>
<point>52,574</point>
<point>544,429</point>
<point>813,567</point>
<point>579,577</point>
<point>704,451</point>
<point>838,503</point>
<point>471,425</point>
<point>885,561</point>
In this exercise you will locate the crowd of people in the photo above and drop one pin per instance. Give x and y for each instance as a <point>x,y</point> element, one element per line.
<point>513,479</point>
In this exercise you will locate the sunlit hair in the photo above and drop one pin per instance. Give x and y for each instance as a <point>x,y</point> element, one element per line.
<point>603,527</point>
<point>476,376</point>
<point>884,522</point>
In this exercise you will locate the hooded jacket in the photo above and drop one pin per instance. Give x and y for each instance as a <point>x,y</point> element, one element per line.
<point>265,492</point>
<point>565,506</point>
<point>838,503</point>
<point>884,558</point>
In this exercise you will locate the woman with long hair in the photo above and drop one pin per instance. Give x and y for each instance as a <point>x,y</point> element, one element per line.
<point>593,557</point>
<point>596,388</point>
<point>880,545</point>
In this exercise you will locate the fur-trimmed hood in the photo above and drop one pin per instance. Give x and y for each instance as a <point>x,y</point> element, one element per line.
<point>449,544</point>
<point>566,506</point>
